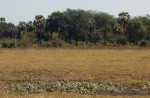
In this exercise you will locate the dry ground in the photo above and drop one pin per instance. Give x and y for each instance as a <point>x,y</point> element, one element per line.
<point>98,65</point>
<point>103,65</point>
<point>64,95</point>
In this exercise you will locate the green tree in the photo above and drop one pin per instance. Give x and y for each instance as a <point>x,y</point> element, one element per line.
<point>104,24</point>
<point>40,24</point>
<point>21,29</point>
<point>146,22</point>
<point>2,20</point>
<point>123,21</point>
<point>2,25</point>
<point>78,24</point>
<point>137,30</point>
<point>30,26</point>
<point>53,23</point>
<point>71,24</point>
<point>9,31</point>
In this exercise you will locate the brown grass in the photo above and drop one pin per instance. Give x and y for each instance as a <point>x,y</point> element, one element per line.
<point>64,95</point>
<point>103,65</point>
<point>98,65</point>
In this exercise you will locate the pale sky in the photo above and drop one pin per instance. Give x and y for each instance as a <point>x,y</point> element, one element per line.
<point>25,10</point>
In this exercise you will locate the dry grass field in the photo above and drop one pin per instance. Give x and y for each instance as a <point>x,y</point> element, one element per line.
<point>64,95</point>
<point>123,66</point>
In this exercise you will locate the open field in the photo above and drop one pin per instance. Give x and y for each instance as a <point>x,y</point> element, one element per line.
<point>64,95</point>
<point>119,66</point>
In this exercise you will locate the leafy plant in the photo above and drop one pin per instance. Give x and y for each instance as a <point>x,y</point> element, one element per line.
<point>8,44</point>
<point>82,87</point>
<point>120,40</point>
<point>58,43</point>
<point>144,43</point>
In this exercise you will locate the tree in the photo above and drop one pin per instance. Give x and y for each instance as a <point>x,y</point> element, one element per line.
<point>91,29</point>
<point>40,24</point>
<point>54,23</point>
<point>9,31</point>
<point>30,26</point>
<point>2,20</point>
<point>2,26</point>
<point>71,24</point>
<point>137,30</point>
<point>104,23</point>
<point>21,28</point>
<point>146,22</point>
<point>123,21</point>
<point>78,24</point>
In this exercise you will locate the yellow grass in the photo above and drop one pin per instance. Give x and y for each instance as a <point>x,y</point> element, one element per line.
<point>98,65</point>
<point>64,95</point>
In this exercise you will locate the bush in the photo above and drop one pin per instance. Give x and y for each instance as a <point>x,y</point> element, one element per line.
<point>58,43</point>
<point>8,44</point>
<point>46,44</point>
<point>120,40</point>
<point>72,42</point>
<point>24,43</point>
<point>144,43</point>
<point>80,43</point>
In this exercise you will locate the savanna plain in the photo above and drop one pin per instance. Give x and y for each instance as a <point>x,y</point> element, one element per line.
<point>118,66</point>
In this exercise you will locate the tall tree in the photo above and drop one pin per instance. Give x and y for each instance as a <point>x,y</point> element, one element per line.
<point>21,28</point>
<point>40,24</point>
<point>2,20</point>
<point>30,26</point>
<point>78,24</point>
<point>146,22</point>
<point>104,23</point>
<point>137,30</point>
<point>123,21</point>
<point>53,23</point>
<point>10,31</point>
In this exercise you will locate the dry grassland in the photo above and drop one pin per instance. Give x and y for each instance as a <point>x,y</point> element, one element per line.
<point>64,95</point>
<point>103,65</point>
<point>97,65</point>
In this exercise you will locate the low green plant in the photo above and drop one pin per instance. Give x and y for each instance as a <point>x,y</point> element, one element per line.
<point>8,44</point>
<point>80,43</point>
<point>120,40</point>
<point>144,43</point>
<point>82,87</point>
<point>58,43</point>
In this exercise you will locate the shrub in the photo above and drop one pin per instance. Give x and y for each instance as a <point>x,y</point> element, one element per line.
<point>80,43</point>
<point>24,43</point>
<point>58,43</point>
<point>46,44</point>
<point>72,42</point>
<point>120,40</point>
<point>8,44</point>
<point>144,43</point>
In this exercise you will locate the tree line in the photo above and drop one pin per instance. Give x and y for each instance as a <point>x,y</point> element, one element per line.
<point>77,27</point>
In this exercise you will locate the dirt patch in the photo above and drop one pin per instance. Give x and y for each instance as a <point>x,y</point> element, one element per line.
<point>4,87</point>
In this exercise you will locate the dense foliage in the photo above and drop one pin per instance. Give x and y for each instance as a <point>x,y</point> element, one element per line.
<point>77,27</point>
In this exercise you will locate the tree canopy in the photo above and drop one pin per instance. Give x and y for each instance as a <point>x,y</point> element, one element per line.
<point>80,26</point>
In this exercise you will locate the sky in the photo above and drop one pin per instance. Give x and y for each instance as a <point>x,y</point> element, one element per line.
<point>26,10</point>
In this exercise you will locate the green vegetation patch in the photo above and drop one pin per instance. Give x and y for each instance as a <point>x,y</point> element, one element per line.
<point>82,87</point>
